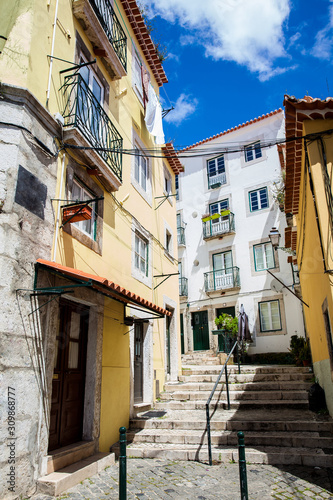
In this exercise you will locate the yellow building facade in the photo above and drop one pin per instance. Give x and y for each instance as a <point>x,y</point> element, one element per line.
<point>309,156</point>
<point>88,219</point>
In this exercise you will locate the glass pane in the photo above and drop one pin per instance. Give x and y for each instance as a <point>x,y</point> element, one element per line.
<point>137,259</point>
<point>264,316</point>
<point>76,192</point>
<point>180,269</point>
<point>259,258</point>
<point>254,201</point>
<point>269,256</point>
<point>143,247</point>
<point>75,325</point>
<point>224,205</point>
<point>275,315</point>
<point>84,72</point>
<point>248,153</point>
<point>73,355</point>
<point>137,166</point>
<point>97,90</point>
<point>211,168</point>
<point>217,262</point>
<point>179,220</point>
<point>143,172</point>
<point>257,150</point>
<point>263,198</point>
<point>220,165</point>
<point>143,265</point>
<point>214,209</point>
<point>228,261</point>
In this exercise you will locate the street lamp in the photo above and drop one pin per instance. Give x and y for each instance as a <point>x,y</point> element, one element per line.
<point>274,236</point>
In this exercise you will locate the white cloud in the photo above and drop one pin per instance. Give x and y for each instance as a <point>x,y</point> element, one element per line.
<point>184,107</point>
<point>324,39</point>
<point>247,32</point>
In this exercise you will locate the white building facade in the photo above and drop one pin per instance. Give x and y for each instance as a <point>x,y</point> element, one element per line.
<point>225,212</point>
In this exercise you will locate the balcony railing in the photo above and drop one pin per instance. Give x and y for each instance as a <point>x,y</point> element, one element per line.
<point>181,235</point>
<point>183,289</point>
<point>217,180</point>
<point>222,279</point>
<point>218,226</point>
<point>112,27</point>
<point>83,111</point>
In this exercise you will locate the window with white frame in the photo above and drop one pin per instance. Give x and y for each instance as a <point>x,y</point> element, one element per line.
<point>168,242</point>
<point>216,172</point>
<point>141,168</point>
<point>263,256</point>
<point>137,74</point>
<point>141,254</point>
<point>167,182</point>
<point>270,317</point>
<point>177,186</point>
<point>217,208</point>
<point>81,193</point>
<point>258,199</point>
<point>253,151</point>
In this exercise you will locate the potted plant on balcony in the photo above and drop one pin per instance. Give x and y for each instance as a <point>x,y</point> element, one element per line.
<point>227,331</point>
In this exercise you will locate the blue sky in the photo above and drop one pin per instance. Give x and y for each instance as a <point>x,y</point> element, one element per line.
<point>233,60</point>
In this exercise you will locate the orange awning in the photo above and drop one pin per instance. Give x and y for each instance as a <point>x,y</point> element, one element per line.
<point>103,285</point>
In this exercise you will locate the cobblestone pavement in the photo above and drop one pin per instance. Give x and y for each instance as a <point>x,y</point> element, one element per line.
<point>154,479</point>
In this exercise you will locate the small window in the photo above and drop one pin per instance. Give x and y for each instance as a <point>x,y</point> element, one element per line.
<point>258,199</point>
<point>263,256</point>
<point>216,172</point>
<point>141,254</point>
<point>141,168</point>
<point>217,208</point>
<point>167,182</point>
<point>270,317</point>
<point>177,186</point>
<point>81,193</point>
<point>168,242</point>
<point>253,151</point>
<point>137,74</point>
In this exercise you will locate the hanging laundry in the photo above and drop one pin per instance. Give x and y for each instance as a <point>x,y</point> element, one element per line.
<point>153,116</point>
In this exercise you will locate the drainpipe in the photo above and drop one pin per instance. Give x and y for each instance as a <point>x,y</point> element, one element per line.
<point>51,55</point>
<point>58,209</point>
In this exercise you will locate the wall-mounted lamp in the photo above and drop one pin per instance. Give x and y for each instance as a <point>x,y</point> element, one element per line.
<point>274,236</point>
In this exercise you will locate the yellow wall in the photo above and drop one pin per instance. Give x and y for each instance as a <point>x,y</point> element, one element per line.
<point>316,284</point>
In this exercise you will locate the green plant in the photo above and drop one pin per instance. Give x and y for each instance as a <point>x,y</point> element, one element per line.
<point>279,190</point>
<point>227,322</point>
<point>300,349</point>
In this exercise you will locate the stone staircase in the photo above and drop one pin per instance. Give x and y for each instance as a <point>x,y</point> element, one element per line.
<point>268,403</point>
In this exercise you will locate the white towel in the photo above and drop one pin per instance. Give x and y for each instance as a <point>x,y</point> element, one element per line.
<point>153,116</point>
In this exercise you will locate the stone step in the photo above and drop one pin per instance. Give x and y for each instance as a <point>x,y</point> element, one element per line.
<point>57,482</point>
<point>236,423</point>
<point>248,377</point>
<point>234,386</point>
<point>234,404</point>
<point>256,369</point>
<point>229,438</point>
<point>314,457</point>
<point>253,395</point>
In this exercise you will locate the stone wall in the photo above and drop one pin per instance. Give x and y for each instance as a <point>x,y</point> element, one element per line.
<point>28,170</point>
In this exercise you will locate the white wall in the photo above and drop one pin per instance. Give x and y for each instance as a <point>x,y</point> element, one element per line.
<point>250,228</point>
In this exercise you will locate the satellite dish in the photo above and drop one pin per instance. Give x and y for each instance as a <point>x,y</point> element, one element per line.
<point>276,286</point>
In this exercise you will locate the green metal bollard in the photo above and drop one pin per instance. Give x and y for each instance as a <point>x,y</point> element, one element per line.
<point>122,464</point>
<point>242,466</point>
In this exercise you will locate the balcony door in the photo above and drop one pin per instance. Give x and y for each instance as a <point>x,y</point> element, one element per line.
<point>222,267</point>
<point>200,331</point>
<point>90,100</point>
<point>138,362</point>
<point>220,224</point>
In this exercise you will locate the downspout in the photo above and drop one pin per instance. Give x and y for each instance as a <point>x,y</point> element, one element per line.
<point>51,55</point>
<point>59,207</point>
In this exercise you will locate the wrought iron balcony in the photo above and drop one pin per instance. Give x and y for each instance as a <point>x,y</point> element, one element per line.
<point>217,180</point>
<point>222,279</point>
<point>112,27</point>
<point>183,289</point>
<point>181,235</point>
<point>217,225</point>
<point>83,111</point>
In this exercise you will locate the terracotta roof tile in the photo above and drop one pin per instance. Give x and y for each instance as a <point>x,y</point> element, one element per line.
<point>106,285</point>
<point>242,125</point>
<point>173,160</point>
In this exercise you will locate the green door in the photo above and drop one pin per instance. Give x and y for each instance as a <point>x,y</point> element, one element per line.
<point>182,334</point>
<point>200,331</point>
<point>225,344</point>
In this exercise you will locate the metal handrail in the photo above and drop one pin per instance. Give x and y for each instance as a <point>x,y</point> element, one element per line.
<point>224,368</point>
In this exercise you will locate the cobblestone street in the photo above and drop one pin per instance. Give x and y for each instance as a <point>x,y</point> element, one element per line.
<point>154,479</point>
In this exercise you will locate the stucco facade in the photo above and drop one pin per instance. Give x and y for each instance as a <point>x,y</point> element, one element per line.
<point>225,259</point>
<point>308,199</point>
<point>63,137</point>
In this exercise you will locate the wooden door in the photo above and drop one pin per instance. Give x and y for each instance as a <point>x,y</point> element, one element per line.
<point>200,331</point>
<point>138,363</point>
<point>66,420</point>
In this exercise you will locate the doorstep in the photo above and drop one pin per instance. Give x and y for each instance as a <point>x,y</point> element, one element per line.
<point>57,482</point>
<point>68,455</point>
